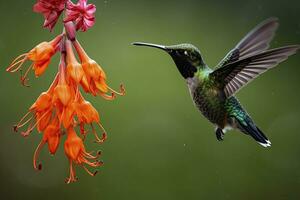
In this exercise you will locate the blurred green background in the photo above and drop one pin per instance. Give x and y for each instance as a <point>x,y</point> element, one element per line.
<point>159,146</point>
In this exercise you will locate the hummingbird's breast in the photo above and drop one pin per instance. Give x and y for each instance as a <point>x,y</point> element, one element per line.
<point>208,99</point>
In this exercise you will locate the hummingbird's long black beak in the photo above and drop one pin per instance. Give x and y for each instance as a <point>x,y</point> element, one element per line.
<point>151,45</point>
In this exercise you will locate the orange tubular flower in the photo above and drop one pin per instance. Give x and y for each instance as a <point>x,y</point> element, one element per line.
<point>62,91</point>
<point>51,136</point>
<point>74,68</point>
<point>40,56</point>
<point>39,113</point>
<point>94,80</point>
<point>75,151</point>
<point>87,114</point>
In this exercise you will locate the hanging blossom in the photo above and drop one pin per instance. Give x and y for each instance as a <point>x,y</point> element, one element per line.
<point>62,109</point>
<point>82,13</point>
<point>51,9</point>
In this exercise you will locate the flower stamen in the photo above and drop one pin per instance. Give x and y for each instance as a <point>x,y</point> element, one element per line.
<point>17,62</point>
<point>72,177</point>
<point>108,97</point>
<point>24,78</point>
<point>90,156</point>
<point>31,127</point>
<point>36,154</point>
<point>122,90</point>
<point>89,172</point>
<point>104,134</point>
<point>21,123</point>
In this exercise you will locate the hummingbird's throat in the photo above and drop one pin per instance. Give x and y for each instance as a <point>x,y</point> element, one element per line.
<point>186,69</point>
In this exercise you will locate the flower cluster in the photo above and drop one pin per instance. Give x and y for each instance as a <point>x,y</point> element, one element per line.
<point>82,14</point>
<point>62,109</point>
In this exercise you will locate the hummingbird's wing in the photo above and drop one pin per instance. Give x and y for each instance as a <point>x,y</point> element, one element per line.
<point>233,76</point>
<point>254,42</point>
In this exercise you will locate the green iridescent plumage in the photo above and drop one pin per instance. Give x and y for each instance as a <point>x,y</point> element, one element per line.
<point>213,90</point>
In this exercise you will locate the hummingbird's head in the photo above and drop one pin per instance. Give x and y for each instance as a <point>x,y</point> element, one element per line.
<point>187,57</point>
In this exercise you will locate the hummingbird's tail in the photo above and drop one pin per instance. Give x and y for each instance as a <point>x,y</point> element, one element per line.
<point>248,127</point>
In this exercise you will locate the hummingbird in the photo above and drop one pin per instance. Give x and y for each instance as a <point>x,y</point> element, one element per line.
<point>213,90</point>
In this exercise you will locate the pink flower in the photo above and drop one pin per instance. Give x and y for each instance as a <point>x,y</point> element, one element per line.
<point>51,9</point>
<point>82,14</point>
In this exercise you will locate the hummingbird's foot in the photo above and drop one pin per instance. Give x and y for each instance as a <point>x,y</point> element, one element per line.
<point>220,134</point>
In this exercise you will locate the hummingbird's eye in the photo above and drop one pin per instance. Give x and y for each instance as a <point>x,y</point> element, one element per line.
<point>186,53</point>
